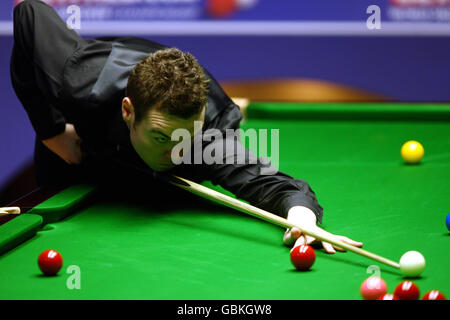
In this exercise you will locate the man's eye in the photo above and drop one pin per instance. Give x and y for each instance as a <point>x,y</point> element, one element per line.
<point>161,139</point>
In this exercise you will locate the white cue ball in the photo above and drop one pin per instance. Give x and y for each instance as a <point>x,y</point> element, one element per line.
<point>412,264</point>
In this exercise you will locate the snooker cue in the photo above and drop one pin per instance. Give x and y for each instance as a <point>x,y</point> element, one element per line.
<point>239,205</point>
<point>9,210</point>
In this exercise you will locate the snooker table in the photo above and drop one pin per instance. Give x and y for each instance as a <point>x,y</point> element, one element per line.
<point>169,244</point>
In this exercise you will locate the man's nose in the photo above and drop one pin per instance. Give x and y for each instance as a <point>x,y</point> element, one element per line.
<point>168,153</point>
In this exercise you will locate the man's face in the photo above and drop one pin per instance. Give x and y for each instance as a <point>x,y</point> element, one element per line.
<point>151,137</point>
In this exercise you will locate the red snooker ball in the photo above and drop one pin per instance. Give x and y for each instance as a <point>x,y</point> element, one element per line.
<point>388,296</point>
<point>50,262</point>
<point>434,295</point>
<point>303,257</point>
<point>221,8</point>
<point>407,290</point>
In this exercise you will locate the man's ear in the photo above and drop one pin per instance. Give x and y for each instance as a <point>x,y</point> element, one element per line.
<point>128,111</point>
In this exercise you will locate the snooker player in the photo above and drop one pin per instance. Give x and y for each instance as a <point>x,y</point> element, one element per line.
<point>94,103</point>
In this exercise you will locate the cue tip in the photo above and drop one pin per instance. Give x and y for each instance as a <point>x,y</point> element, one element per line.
<point>9,210</point>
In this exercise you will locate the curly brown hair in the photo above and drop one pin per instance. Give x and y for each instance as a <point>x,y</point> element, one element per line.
<point>170,79</point>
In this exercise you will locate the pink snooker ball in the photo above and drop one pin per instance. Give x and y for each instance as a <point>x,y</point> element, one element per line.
<point>372,288</point>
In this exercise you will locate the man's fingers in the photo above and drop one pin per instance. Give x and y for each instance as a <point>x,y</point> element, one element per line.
<point>352,242</point>
<point>328,247</point>
<point>331,248</point>
<point>304,239</point>
<point>294,237</point>
<point>291,235</point>
<point>301,240</point>
<point>339,249</point>
<point>287,239</point>
<point>348,241</point>
<point>295,233</point>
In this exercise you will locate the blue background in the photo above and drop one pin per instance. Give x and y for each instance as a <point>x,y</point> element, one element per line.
<point>406,68</point>
<point>315,10</point>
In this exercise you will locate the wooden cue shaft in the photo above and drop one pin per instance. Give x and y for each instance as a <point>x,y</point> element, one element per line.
<point>221,198</point>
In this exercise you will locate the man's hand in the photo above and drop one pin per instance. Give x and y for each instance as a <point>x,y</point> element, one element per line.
<point>66,145</point>
<point>303,216</point>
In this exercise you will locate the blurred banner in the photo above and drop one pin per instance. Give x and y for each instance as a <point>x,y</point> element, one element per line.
<point>326,17</point>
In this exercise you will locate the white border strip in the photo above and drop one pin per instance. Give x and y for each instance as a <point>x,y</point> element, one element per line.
<point>252,28</point>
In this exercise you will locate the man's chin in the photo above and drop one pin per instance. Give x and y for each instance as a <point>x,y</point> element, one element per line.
<point>162,168</point>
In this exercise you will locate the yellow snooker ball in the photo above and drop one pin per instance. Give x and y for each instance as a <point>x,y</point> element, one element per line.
<point>412,152</point>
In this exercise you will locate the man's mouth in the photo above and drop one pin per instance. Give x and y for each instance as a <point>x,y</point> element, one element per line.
<point>166,165</point>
